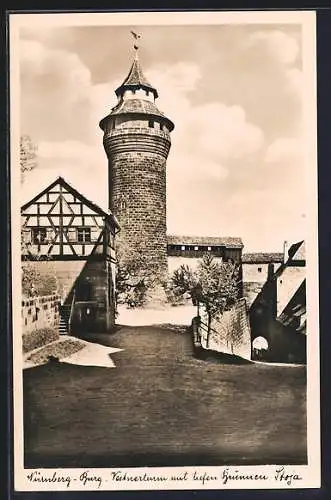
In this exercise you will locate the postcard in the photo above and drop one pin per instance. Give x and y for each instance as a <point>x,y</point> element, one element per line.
<point>164,250</point>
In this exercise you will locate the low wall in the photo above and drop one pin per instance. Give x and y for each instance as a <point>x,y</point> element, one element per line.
<point>230,334</point>
<point>40,313</point>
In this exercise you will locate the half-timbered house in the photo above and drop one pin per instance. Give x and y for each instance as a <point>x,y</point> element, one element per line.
<point>65,232</point>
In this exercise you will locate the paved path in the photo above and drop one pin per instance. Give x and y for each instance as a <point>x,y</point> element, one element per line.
<point>161,406</point>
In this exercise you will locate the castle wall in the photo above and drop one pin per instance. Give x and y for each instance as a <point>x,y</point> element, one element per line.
<point>40,312</point>
<point>251,290</point>
<point>230,334</point>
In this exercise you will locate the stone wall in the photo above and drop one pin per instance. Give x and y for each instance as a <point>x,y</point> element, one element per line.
<point>74,276</point>
<point>40,312</point>
<point>251,291</point>
<point>231,333</point>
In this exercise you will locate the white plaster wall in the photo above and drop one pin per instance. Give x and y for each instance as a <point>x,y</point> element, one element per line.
<point>287,285</point>
<point>251,272</point>
<point>175,262</point>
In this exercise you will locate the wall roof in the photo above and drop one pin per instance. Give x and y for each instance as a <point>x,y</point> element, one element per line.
<point>262,258</point>
<point>225,241</point>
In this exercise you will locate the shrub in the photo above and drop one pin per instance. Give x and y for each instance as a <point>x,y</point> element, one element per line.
<point>34,283</point>
<point>38,338</point>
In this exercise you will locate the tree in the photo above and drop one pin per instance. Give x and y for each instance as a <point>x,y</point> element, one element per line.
<point>213,284</point>
<point>136,270</point>
<point>28,155</point>
<point>35,282</point>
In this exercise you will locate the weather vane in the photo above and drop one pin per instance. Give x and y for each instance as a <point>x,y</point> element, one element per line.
<point>136,37</point>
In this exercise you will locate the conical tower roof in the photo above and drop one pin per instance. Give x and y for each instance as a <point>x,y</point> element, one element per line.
<point>136,79</point>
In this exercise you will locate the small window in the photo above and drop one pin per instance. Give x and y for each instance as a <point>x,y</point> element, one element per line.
<point>72,234</point>
<point>39,235</point>
<point>151,123</point>
<point>183,247</point>
<point>84,234</point>
<point>280,281</point>
<point>259,269</point>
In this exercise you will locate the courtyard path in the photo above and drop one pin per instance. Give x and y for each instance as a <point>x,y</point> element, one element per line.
<point>161,406</point>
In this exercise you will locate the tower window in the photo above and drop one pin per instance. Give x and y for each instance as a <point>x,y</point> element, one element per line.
<point>38,235</point>
<point>259,269</point>
<point>151,123</point>
<point>84,234</point>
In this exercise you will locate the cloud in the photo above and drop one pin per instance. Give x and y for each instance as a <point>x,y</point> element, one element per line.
<point>223,131</point>
<point>222,179</point>
<point>206,136</point>
<point>284,150</point>
<point>281,46</point>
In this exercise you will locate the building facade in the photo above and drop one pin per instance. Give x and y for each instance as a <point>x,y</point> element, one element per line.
<point>189,249</point>
<point>65,233</point>
<point>257,268</point>
<point>137,143</point>
<point>278,313</point>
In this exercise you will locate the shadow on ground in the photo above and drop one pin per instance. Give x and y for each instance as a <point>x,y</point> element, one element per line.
<point>161,406</point>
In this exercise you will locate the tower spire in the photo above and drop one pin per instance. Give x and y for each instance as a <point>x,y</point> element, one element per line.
<point>136,79</point>
<point>136,37</point>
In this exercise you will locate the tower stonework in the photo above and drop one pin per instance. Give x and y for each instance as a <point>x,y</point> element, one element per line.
<point>137,143</point>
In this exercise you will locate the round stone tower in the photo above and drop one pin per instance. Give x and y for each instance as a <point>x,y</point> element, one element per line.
<point>137,142</point>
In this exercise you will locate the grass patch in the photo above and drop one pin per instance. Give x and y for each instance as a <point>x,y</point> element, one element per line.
<point>38,338</point>
<point>58,350</point>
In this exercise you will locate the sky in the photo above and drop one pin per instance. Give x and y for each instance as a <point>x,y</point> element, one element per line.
<point>234,93</point>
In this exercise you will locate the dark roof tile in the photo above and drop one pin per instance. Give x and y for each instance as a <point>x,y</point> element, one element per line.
<point>262,258</point>
<point>229,242</point>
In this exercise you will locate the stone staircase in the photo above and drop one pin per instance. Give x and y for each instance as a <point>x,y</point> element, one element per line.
<point>64,320</point>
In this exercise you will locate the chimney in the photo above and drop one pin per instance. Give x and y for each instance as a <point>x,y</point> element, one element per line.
<point>285,250</point>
